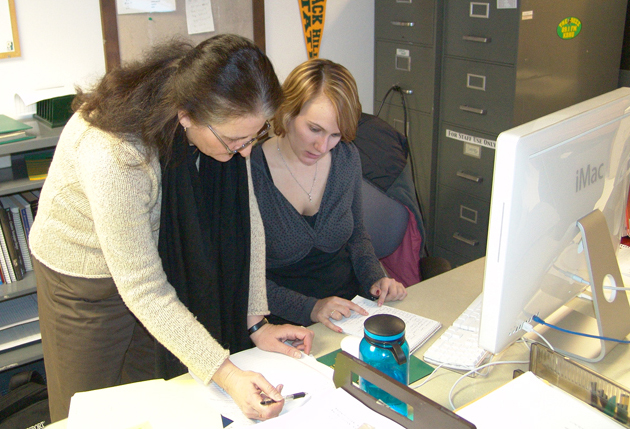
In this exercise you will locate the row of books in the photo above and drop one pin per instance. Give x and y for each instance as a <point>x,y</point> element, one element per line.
<point>17,213</point>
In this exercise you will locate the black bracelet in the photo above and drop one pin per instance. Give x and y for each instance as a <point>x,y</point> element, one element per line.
<point>258,325</point>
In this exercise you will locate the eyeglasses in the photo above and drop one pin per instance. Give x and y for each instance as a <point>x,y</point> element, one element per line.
<point>260,135</point>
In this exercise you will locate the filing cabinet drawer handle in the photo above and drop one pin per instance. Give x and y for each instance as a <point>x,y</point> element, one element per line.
<point>469,176</point>
<point>472,110</point>
<point>477,39</point>
<point>458,236</point>
<point>403,23</point>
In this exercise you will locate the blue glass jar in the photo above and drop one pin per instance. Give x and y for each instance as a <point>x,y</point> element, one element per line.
<point>384,347</point>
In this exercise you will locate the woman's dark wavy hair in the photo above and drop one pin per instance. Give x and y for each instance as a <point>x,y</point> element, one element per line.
<point>224,77</point>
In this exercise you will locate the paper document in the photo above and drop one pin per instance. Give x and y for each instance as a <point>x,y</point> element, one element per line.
<point>199,16</point>
<point>297,375</point>
<point>153,404</point>
<point>19,335</point>
<point>338,410</point>
<point>530,402</point>
<point>142,6</point>
<point>18,311</point>
<point>418,329</point>
<point>33,96</point>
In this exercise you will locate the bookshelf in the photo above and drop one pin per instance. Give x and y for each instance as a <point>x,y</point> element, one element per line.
<point>12,180</point>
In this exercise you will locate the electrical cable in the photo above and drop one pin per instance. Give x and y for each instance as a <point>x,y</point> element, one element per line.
<point>542,322</point>
<point>398,89</point>
<point>426,379</point>
<point>529,328</point>
<point>450,393</point>
<point>393,88</point>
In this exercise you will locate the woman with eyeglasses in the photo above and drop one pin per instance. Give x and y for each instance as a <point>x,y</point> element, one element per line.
<point>307,179</point>
<point>148,244</point>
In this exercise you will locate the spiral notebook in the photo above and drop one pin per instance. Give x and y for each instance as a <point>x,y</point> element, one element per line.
<point>418,329</point>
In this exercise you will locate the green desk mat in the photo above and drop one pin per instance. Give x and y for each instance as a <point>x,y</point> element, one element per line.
<point>417,369</point>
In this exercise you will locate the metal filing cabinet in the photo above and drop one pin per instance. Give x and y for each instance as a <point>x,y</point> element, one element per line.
<point>507,62</point>
<point>407,54</point>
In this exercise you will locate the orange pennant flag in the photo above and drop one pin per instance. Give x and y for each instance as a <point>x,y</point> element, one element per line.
<point>312,13</point>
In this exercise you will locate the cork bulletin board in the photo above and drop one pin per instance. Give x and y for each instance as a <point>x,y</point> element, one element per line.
<point>126,36</point>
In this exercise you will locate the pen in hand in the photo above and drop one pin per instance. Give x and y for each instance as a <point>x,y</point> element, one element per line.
<point>269,401</point>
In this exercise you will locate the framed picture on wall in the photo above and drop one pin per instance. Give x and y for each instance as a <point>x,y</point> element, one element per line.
<point>9,40</point>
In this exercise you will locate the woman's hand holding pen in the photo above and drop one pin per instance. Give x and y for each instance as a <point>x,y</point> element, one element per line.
<point>248,389</point>
<point>334,308</point>
<point>273,338</point>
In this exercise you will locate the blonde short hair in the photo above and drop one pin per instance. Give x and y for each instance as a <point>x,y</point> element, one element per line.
<point>309,80</point>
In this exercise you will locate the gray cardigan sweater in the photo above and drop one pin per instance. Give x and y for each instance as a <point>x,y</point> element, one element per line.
<point>339,221</point>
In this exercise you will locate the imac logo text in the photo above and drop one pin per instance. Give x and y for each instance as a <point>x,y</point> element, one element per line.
<point>588,176</point>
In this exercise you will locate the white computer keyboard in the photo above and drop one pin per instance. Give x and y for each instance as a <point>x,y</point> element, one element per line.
<point>458,348</point>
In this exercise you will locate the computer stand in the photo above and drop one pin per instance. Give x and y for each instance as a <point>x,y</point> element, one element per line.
<point>610,316</point>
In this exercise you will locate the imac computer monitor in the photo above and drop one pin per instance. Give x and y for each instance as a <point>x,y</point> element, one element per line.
<point>557,215</point>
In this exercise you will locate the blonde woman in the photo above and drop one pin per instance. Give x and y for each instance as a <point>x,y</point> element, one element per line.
<point>307,179</point>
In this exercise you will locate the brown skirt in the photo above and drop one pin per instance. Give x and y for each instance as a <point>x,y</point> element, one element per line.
<point>90,338</point>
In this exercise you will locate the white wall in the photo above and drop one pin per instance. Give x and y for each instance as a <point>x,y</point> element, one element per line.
<point>61,43</point>
<point>348,39</point>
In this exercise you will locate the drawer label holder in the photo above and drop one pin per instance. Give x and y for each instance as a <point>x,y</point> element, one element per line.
<point>480,141</point>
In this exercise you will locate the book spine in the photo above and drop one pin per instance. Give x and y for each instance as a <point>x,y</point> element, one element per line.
<point>20,233</point>
<point>7,266</point>
<point>11,237</point>
<point>32,200</point>
<point>25,223</point>
<point>16,254</point>
<point>27,213</point>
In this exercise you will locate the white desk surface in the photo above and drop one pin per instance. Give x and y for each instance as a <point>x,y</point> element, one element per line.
<point>443,298</point>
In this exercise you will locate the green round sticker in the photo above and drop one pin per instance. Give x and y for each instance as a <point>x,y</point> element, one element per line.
<point>569,28</point>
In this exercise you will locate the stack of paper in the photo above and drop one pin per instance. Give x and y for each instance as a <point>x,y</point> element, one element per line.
<point>418,328</point>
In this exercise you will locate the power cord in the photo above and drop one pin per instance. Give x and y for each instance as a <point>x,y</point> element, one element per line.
<point>428,378</point>
<point>529,328</point>
<point>399,90</point>
<point>450,393</point>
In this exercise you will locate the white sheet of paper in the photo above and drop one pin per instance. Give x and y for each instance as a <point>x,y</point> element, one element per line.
<point>29,97</point>
<point>153,404</point>
<point>144,6</point>
<point>529,402</point>
<point>418,329</point>
<point>297,375</point>
<point>199,16</point>
<point>338,410</point>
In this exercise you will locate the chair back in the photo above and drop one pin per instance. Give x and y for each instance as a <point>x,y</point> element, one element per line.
<point>384,218</point>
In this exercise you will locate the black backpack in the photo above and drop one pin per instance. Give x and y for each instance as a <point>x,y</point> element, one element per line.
<point>25,406</point>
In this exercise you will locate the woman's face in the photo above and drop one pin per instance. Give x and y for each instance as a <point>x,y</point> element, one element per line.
<point>314,132</point>
<point>233,133</point>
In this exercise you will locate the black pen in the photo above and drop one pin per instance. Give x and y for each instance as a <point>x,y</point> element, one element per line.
<point>269,401</point>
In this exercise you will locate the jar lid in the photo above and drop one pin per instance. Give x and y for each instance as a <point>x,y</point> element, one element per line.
<point>384,327</point>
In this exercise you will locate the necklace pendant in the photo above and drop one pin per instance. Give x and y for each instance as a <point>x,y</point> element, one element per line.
<point>310,198</point>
